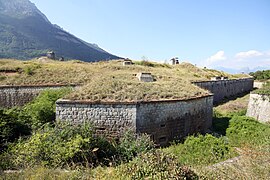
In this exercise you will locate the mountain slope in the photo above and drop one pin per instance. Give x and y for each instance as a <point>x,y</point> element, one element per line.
<point>26,33</point>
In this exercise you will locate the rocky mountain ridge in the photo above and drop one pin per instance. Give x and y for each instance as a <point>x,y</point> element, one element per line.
<point>25,33</point>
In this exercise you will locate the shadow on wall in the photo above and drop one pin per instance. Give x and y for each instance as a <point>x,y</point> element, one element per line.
<point>227,99</point>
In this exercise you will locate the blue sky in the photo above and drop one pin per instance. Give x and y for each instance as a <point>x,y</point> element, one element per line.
<point>212,33</point>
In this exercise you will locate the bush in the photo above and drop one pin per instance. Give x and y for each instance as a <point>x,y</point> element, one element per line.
<point>151,64</point>
<point>71,145</point>
<point>261,75</point>
<point>64,144</point>
<point>202,150</point>
<point>244,130</point>
<point>42,109</point>
<point>155,165</point>
<point>131,145</point>
<point>18,122</point>
<point>11,129</point>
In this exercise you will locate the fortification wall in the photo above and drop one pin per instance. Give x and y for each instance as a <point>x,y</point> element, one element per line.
<point>170,120</point>
<point>259,107</point>
<point>11,96</point>
<point>111,119</point>
<point>223,89</point>
<point>163,120</point>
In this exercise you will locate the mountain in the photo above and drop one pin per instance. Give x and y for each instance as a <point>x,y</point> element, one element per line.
<point>25,33</point>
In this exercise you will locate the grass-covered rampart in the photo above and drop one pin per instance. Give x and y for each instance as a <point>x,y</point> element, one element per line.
<point>110,81</point>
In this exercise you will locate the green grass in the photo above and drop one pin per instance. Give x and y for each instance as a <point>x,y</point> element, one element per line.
<point>244,131</point>
<point>202,150</point>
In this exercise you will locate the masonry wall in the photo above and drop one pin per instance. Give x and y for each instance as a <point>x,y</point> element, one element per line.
<point>166,121</point>
<point>11,96</point>
<point>223,89</point>
<point>258,84</point>
<point>163,120</point>
<point>110,119</point>
<point>259,107</point>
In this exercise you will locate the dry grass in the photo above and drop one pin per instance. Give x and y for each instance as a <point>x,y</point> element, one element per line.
<point>109,81</point>
<point>234,106</point>
<point>251,164</point>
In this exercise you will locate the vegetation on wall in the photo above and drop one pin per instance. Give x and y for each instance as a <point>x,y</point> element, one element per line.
<point>265,90</point>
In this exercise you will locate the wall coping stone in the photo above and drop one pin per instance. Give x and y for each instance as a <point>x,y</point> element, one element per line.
<point>239,79</point>
<point>67,101</point>
<point>38,86</point>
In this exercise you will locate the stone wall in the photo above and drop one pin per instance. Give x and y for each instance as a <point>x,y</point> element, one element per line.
<point>170,120</point>
<point>258,84</point>
<point>11,96</point>
<point>223,89</point>
<point>259,107</point>
<point>163,120</point>
<point>111,118</point>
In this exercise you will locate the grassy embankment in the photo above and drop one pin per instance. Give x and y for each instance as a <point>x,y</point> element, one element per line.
<point>110,81</point>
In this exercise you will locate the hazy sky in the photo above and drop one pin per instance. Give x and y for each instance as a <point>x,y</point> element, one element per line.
<point>228,33</point>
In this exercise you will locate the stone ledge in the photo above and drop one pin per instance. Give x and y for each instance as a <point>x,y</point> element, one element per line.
<point>226,80</point>
<point>38,86</point>
<point>67,101</point>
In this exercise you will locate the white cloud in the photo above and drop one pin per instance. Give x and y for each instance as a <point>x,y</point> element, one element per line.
<point>245,59</point>
<point>219,56</point>
<point>248,54</point>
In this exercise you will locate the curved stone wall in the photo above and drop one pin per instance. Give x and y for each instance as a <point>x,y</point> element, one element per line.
<point>163,120</point>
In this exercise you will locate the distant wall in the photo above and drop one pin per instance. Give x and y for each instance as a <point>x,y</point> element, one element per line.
<point>259,107</point>
<point>11,96</point>
<point>223,89</point>
<point>163,120</point>
<point>258,84</point>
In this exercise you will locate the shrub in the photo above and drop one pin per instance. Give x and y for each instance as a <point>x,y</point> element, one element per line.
<point>64,144</point>
<point>42,109</point>
<point>11,129</point>
<point>28,70</point>
<point>69,144</point>
<point>261,75</point>
<point>202,150</point>
<point>145,63</point>
<point>131,145</point>
<point>155,165</point>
